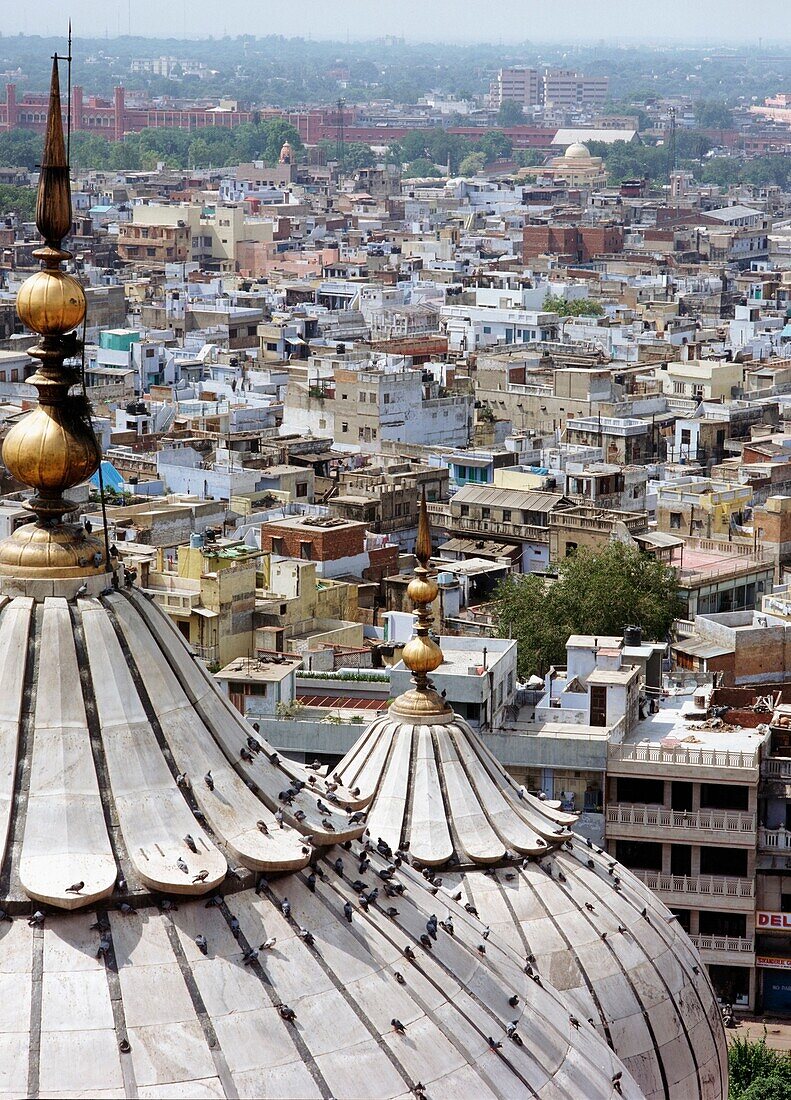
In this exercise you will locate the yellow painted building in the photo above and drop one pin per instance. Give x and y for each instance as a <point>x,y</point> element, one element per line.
<point>300,610</point>
<point>701,507</point>
<point>703,379</point>
<point>211,596</point>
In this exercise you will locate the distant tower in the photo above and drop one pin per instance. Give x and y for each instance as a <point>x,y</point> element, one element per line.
<point>340,150</point>
<point>120,113</point>
<point>671,155</point>
<point>76,107</point>
<point>12,114</point>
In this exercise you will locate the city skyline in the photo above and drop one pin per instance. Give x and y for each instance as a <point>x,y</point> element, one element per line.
<point>511,21</point>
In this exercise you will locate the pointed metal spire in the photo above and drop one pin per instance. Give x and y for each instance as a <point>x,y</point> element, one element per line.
<point>423,544</point>
<point>53,204</point>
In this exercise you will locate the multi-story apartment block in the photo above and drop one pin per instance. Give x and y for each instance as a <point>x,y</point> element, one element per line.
<point>209,236</point>
<point>154,245</point>
<point>364,406</point>
<point>211,596</point>
<point>559,89</point>
<point>567,90</point>
<point>682,814</point>
<point>515,518</point>
<point>516,85</point>
<point>773,903</point>
<point>672,792</point>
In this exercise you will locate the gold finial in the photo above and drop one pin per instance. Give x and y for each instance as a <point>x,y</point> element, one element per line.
<point>421,654</point>
<point>53,205</point>
<point>54,447</point>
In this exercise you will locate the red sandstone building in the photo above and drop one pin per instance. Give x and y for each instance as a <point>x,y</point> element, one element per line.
<point>113,118</point>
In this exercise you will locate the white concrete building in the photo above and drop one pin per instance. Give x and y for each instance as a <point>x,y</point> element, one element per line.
<point>477,675</point>
<point>469,328</point>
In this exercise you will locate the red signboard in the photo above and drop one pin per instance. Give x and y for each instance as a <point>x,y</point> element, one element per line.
<point>767,921</point>
<point>772,962</point>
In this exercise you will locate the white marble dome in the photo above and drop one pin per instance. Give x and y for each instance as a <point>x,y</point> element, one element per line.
<point>583,922</point>
<point>577,151</point>
<point>184,913</point>
<point>163,935</point>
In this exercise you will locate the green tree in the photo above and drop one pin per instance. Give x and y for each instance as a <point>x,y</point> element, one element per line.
<point>529,610</point>
<point>722,171</point>
<point>412,146</point>
<point>596,592</point>
<point>510,114</point>
<point>421,168</point>
<point>125,155</point>
<point>494,145</point>
<point>18,200</point>
<point>756,1072</point>
<point>529,158</point>
<point>773,1087</point>
<point>580,307</point>
<point>89,150</point>
<point>713,116</point>
<point>358,155</point>
<point>20,149</point>
<point>278,132</point>
<point>692,145</point>
<point>472,164</point>
<point>167,144</point>
<point>199,154</point>
<point>444,148</point>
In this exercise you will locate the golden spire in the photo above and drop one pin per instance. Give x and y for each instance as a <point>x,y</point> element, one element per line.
<point>54,447</point>
<point>421,654</point>
<point>53,205</point>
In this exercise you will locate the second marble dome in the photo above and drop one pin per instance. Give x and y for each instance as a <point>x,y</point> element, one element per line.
<point>582,921</point>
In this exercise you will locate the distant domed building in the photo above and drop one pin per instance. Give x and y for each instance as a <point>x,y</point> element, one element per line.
<point>585,923</point>
<point>577,168</point>
<point>287,153</point>
<point>184,912</point>
<point>577,151</point>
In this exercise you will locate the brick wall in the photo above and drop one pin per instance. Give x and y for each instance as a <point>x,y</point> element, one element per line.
<point>583,242</point>
<point>326,543</point>
<point>596,240</point>
<point>554,239</point>
<point>384,563</point>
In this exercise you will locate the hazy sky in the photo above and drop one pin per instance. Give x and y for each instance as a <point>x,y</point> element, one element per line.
<point>707,21</point>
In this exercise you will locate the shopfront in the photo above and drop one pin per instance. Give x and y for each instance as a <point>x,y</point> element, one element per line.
<point>773,960</point>
<point>775,971</point>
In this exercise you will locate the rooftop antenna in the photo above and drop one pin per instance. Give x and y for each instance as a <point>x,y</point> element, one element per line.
<point>59,57</point>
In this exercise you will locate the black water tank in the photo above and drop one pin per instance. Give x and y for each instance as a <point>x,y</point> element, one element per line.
<point>632,635</point>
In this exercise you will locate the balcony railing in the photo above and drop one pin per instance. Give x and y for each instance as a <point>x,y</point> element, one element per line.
<point>173,600</point>
<point>660,817</point>
<point>497,527</point>
<point>774,840</point>
<point>715,886</point>
<point>208,653</point>
<point>733,945</point>
<point>776,768</point>
<point>683,754</point>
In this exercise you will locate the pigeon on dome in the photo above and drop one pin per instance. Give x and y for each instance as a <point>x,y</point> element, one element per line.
<point>129,786</point>
<point>587,924</point>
